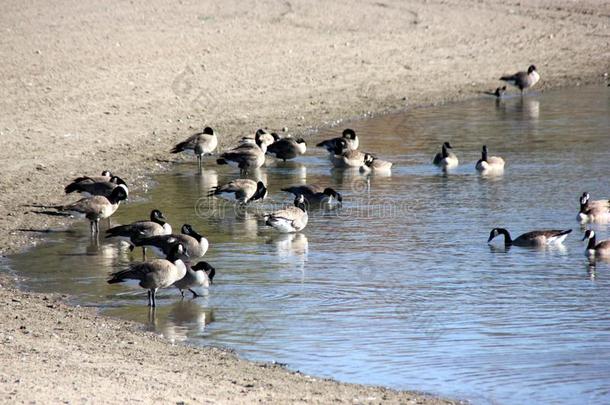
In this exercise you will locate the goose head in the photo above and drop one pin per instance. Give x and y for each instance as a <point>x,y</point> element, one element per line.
<point>368,159</point>
<point>117,180</point>
<point>349,134</point>
<point>157,216</point>
<point>120,193</point>
<point>208,131</point>
<point>106,173</point>
<point>299,202</point>
<point>531,69</point>
<point>332,193</point>
<point>589,234</point>
<point>499,231</point>
<point>340,147</point>
<point>176,252</point>
<point>207,269</point>
<point>261,192</point>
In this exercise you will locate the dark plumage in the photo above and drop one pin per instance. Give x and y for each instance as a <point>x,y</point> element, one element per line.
<point>288,148</point>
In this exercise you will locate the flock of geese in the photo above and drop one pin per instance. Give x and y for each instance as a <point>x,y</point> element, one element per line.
<point>180,250</point>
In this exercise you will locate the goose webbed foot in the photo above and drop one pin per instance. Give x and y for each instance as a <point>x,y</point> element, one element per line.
<point>195,295</point>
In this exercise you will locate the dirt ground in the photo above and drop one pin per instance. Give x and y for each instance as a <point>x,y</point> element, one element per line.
<point>96,85</point>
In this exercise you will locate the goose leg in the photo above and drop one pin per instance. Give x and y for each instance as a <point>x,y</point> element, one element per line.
<point>195,295</point>
<point>154,303</point>
<point>150,302</point>
<point>143,252</point>
<point>92,227</point>
<point>199,162</point>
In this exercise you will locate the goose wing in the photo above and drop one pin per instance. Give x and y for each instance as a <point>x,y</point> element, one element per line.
<point>90,205</point>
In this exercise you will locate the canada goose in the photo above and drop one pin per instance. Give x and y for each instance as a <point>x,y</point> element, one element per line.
<point>489,163</point>
<point>598,213</point>
<point>88,187</point>
<point>446,159</point>
<point>106,176</point>
<point>290,219</point>
<point>266,137</point>
<point>247,156</point>
<point>200,143</point>
<point>194,244</point>
<point>348,135</point>
<point>315,194</point>
<point>533,238</point>
<point>96,207</point>
<point>342,156</point>
<point>600,249</point>
<point>243,191</point>
<point>288,148</point>
<point>142,229</point>
<point>156,273</point>
<point>200,275</point>
<point>498,93</point>
<point>373,164</point>
<point>523,80</point>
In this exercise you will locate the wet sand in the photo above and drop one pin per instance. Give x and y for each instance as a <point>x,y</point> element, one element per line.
<point>113,85</point>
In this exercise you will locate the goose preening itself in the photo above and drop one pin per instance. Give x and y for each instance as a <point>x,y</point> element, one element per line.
<point>533,238</point>
<point>444,158</point>
<point>343,157</point>
<point>349,136</point>
<point>88,186</point>
<point>288,148</point>
<point>200,275</point>
<point>375,165</point>
<point>523,80</point>
<point>600,249</point>
<point>97,207</point>
<point>593,211</point>
<point>489,163</point>
<point>157,225</point>
<point>265,137</point>
<point>201,143</point>
<point>247,156</point>
<point>242,191</point>
<point>289,219</point>
<point>315,194</point>
<point>194,244</point>
<point>156,273</point>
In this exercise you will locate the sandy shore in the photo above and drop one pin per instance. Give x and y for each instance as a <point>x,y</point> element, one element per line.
<point>100,85</point>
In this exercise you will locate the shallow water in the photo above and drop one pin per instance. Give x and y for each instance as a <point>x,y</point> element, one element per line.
<point>398,287</point>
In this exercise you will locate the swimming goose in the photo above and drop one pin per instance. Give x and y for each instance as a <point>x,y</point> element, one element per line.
<point>489,163</point>
<point>246,155</point>
<point>446,159</point>
<point>315,194</point>
<point>533,238</point>
<point>142,229</point>
<point>243,191</point>
<point>106,176</point>
<point>342,156</point>
<point>348,135</point>
<point>598,213</point>
<point>200,275</point>
<point>290,219</point>
<point>600,249</point>
<point>156,273</point>
<point>89,187</point>
<point>96,207</point>
<point>195,244</point>
<point>288,148</point>
<point>523,80</point>
<point>200,143</point>
<point>373,164</point>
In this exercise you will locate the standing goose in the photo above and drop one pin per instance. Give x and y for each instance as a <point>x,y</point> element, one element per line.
<point>598,213</point>
<point>523,80</point>
<point>288,148</point>
<point>349,135</point>
<point>290,219</point>
<point>375,165</point>
<point>243,191</point>
<point>446,159</point>
<point>96,207</point>
<point>194,244</point>
<point>156,273</point>
<point>315,194</point>
<point>142,229</point>
<point>200,275</point>
<point>489,163</point>
<point>247,156</point>
<point>200,143</point>
<point>533,238</point>
<point>89,187</point>
<point>601,249</point>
